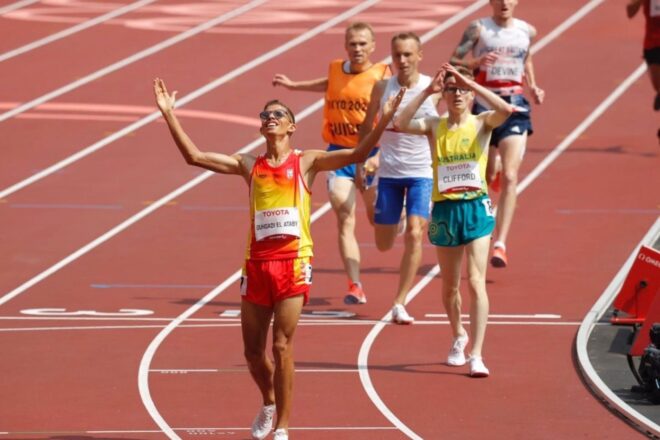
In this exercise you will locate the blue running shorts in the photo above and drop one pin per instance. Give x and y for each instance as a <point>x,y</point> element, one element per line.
<point>516,125</point>
<point>391,193</point>
<point>348,172</point>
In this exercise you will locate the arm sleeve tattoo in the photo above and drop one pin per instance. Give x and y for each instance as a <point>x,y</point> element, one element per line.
<point>469,39</point>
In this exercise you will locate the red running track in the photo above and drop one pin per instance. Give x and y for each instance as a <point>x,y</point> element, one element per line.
<point>74,342</point>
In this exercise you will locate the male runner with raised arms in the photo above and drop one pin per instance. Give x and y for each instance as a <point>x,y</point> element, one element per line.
<point>277,272</point>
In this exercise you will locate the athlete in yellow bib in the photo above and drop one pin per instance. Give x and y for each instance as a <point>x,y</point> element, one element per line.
<point>277,273</point>
<point>347,89</point>
<point>462,220</point>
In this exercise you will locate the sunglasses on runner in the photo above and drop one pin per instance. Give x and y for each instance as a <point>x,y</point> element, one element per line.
<point>455,90</point>
<point>266,114</point>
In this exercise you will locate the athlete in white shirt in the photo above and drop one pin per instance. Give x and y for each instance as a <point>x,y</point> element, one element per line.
<point>502,61</point>
<point>405,176</point>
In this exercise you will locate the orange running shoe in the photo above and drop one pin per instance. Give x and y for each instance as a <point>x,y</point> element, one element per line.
<point>499,258</point>
<point>355,294</point>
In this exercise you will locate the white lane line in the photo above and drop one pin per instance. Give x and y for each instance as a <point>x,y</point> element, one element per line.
<point>73,30</point>
<point>198,430</point>
<point>131,59</point>
<point>518,323</point>
<point>364,351</point>
<point>17,5</point>
<point>597,385</point>
<point>175,371</point>
<point>556,32</point>
<point>95,318</point>
<point>143,373</point>
<point>532,316</point>
<point>182,101</point>
<point>363,358</point>
<point>311,323</point>
<point>559,149</point>
<point>200,178</point>
<point>146,360</point>
<point>96,327</point>
<point>182,189</point>
<point>237,319</point>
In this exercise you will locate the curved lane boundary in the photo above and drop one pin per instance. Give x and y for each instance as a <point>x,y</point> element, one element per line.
<point>536,172</point>
<point>600,307</point>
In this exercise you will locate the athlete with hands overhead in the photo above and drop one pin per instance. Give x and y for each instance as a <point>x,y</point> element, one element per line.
<point>462,219</point>
<point>277,271</point>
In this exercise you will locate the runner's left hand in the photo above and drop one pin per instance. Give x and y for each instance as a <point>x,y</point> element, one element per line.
<point>538,94</point>
<point>164,100</point>
<point>392,104</point>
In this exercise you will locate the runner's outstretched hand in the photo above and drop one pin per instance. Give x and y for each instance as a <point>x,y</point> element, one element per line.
<point>164,100</point>
<point>392,104</point>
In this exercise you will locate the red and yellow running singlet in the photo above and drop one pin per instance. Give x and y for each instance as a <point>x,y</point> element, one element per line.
<point>280,205</point>
<point>346,102</point>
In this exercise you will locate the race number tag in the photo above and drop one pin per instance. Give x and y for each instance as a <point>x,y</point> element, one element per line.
<point>278,221</point>
<point>459,177</point>
<point>505,69</point>
<point>488,206</point>
<point>307,270</point>
<point>655,8</point>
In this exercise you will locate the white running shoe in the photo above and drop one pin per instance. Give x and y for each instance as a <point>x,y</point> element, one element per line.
<point>263,423</point>
<point>281,434</point>
<point>477,367</point>
<point>400,316</point>
<point>456,356</point>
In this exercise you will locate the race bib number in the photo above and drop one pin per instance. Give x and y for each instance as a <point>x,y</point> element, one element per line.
<point>655,8</point>
<point>278,221</point>
<point>488,207</point>
<point>459,177</point>
<point>307,271</point>
<point>505,69</point>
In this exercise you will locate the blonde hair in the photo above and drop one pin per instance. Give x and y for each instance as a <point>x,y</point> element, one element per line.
<point>360,26</point>
<point>407,36</point>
